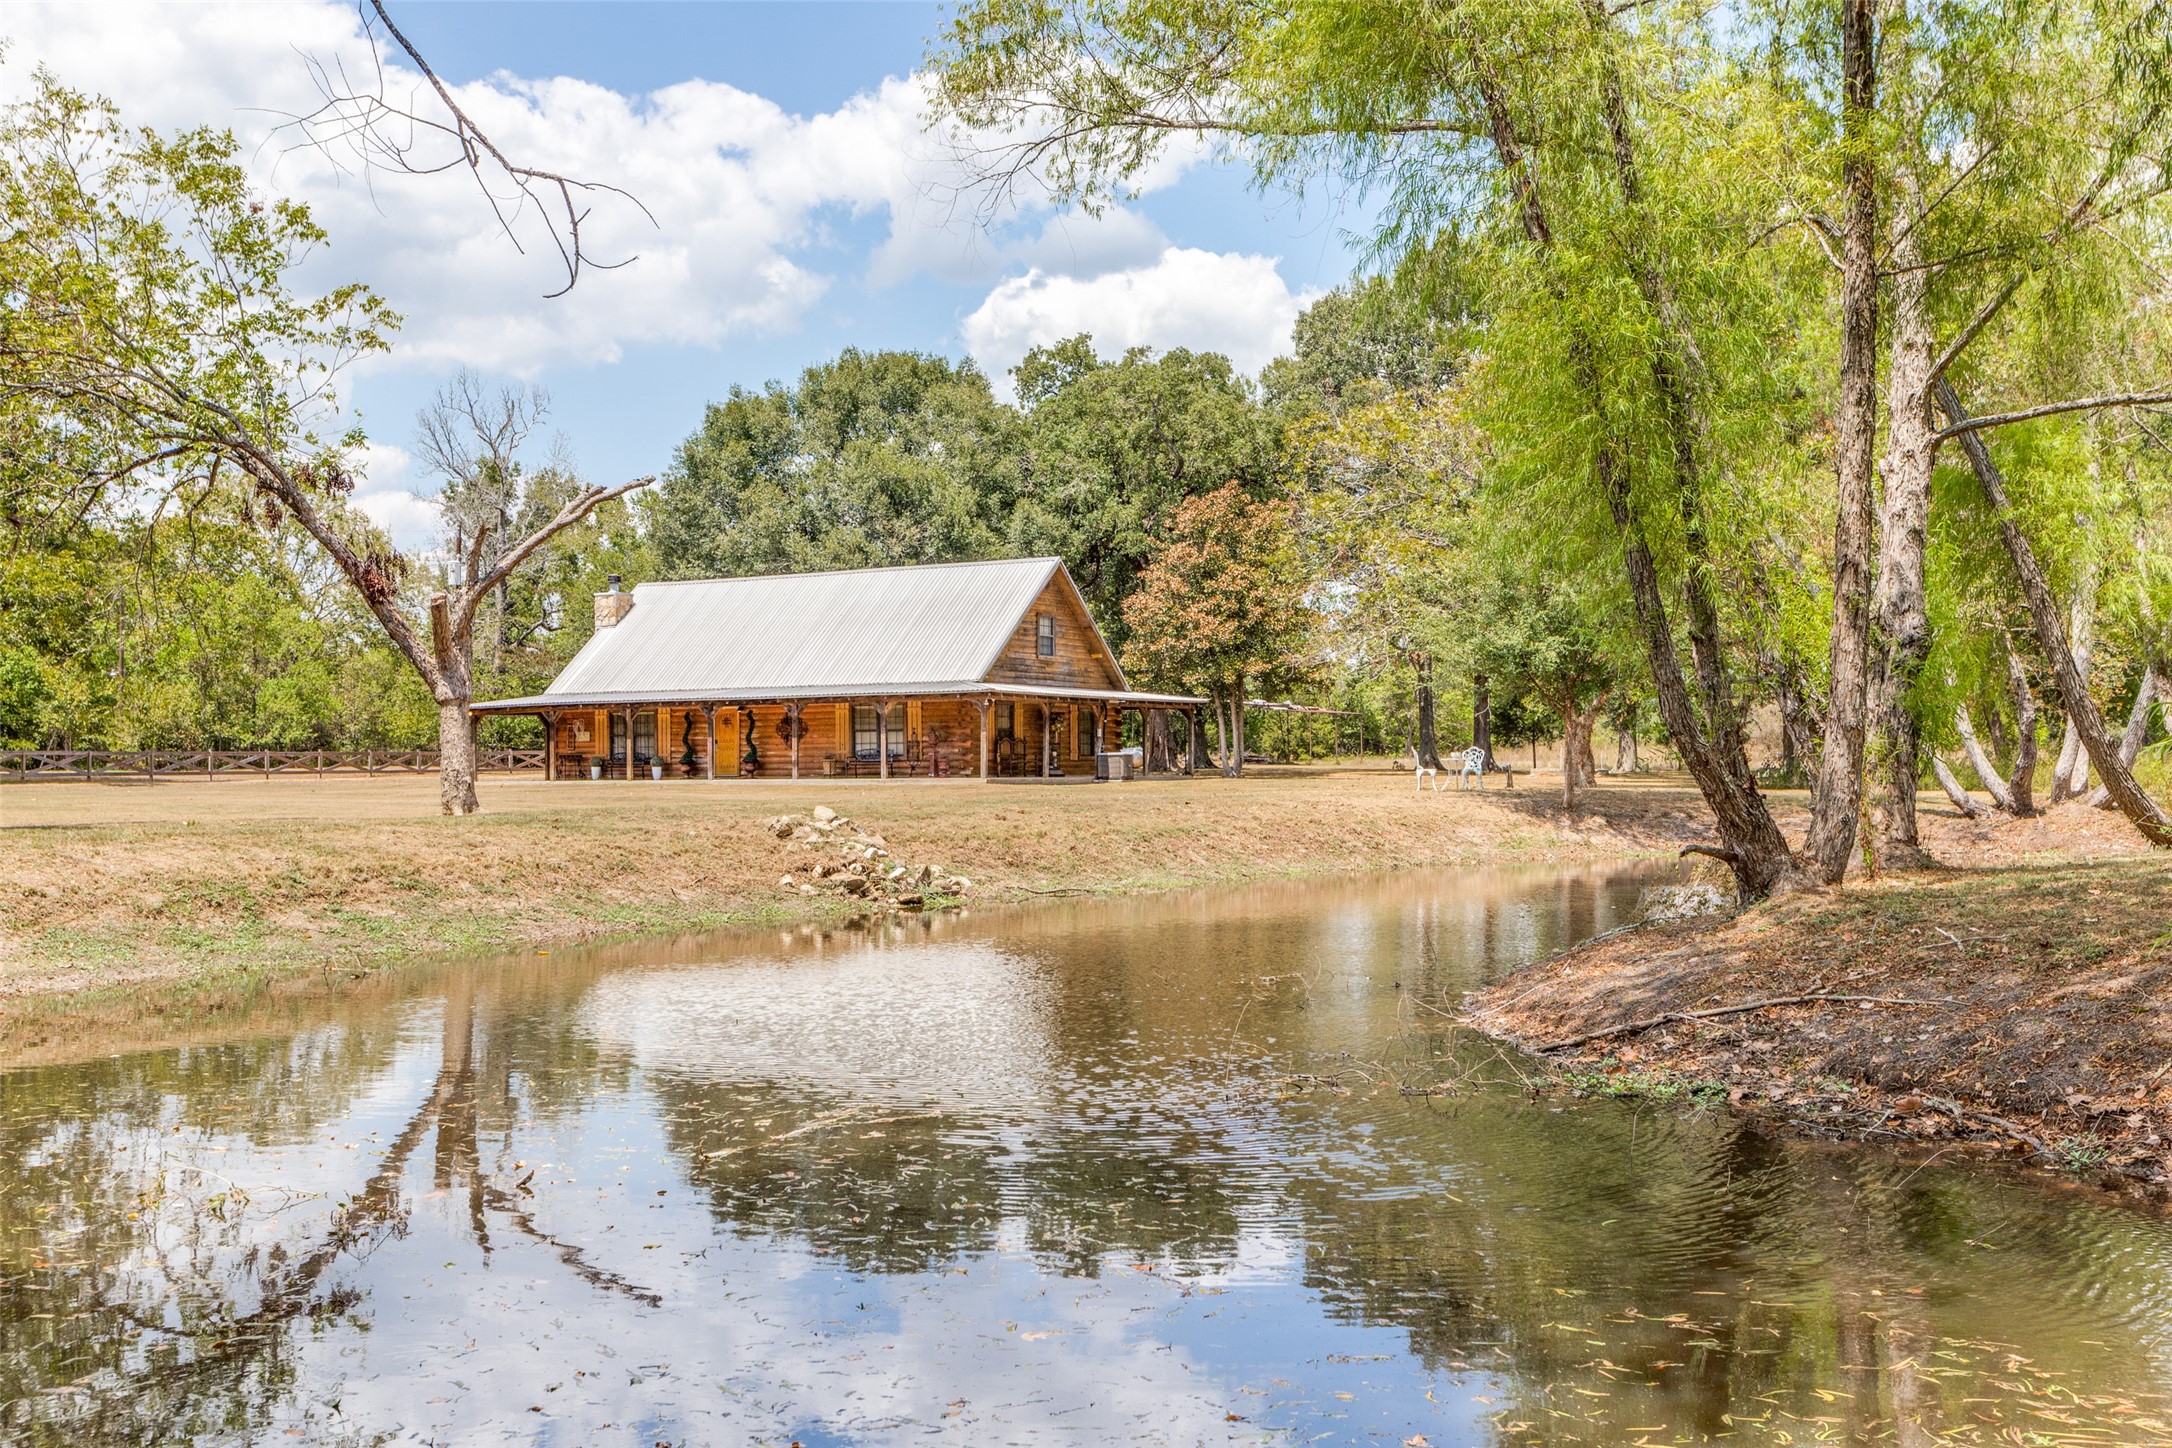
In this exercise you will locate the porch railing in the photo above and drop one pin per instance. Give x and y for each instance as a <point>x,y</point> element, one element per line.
<point>21,766</point>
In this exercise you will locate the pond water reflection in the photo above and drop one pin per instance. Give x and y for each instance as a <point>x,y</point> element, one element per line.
<point>1208,1169</point>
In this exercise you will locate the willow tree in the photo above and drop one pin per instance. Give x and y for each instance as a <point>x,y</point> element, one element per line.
<point>152,340</point>
<point>1989,201</point>
<point>1531,125</point>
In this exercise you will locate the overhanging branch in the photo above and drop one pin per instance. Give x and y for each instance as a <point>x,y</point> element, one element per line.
<point>2053,409</point>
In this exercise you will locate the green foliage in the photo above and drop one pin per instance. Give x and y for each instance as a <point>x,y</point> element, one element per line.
<point>1222,607</point>
<point>1542,640</point>
<point>1615,1081</point>
<point>1116,447</point>
<point>164,634</point>
<point>153,363</point>
<point>1370,341</point>
<point>896,457</point>
<point>148,337</point>
<point>876,458</point>
<point>23,693</point>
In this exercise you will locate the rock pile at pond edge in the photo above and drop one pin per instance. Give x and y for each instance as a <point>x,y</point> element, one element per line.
<point>857,863</point>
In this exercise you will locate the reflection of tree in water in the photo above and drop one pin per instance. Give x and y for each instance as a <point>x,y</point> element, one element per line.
<point>103,1220</point>
<point>1708,1277</point>
<point>896,1189</point>
<point>886,1189</point>
<point>105,1230</point>
<point>1164,1194</point>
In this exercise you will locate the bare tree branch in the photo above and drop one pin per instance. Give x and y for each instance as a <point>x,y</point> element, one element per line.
<point>2052,409</point>
<point>586,502</point>
<point>359,115</point>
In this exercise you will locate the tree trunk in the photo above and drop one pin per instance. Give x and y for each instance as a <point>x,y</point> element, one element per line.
<point>1482,719</point>
<point>1578,770</point>
<point>1233,732</point>
<point>1160,744</point>
<point>1427,748</point>
<point>2021,779</point>
<point>456,757</point>
<point>446,661</point>
<point>1903,638</point>
<point>1833,819</point>
<point>1750,841</point>
<point>1799,724</point>
<point>1625,752</point>
<point>1954,792</point>
<point>2130,743</point>
<point>2144,812</point>
<point>2070,776</point>
<point>1986,772</point>
<point>452,656</point>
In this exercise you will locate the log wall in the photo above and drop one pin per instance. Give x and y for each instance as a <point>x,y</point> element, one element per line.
<point>1079,662</point>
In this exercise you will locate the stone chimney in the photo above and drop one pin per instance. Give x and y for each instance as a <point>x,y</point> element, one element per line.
<point>612,606</point>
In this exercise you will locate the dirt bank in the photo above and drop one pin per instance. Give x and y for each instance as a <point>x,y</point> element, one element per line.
<point>203,885</point>
<point>2023,1004</point>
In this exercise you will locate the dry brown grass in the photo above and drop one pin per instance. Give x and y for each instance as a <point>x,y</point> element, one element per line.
<point>113,886</point>
<point>2046,956</point>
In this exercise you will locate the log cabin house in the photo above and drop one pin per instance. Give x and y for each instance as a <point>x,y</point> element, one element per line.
<point>957,669</point>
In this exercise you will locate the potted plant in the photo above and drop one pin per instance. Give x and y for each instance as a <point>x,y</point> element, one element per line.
<point>595,766</point>
<point>656,767</point>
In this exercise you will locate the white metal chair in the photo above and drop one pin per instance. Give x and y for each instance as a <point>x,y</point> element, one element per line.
<point>1474,767</point>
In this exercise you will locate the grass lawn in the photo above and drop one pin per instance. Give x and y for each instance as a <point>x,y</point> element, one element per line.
<point>206,883</point>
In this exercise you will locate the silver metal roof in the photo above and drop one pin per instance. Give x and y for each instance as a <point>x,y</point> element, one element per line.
<point>930,629</point>
<point>973,688</point>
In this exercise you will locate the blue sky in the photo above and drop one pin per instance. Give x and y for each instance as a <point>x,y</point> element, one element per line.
<point>801,205</point>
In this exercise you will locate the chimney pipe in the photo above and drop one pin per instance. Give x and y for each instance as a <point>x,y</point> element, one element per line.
<point>612,579</point>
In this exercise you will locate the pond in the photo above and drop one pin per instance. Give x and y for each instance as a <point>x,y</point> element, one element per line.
<point>1214,1168</point>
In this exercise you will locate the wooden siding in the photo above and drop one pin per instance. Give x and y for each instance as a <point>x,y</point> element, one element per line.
<point>1079,662</point>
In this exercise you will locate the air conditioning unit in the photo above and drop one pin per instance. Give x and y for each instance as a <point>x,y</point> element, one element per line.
<point>1112,766</point>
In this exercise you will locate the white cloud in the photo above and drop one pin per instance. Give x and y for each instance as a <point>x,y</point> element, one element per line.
<point>747,201</point>
<point>1224,302</point>
<point>740,190</point>
<point>1076,244</point>
<point>385,496</point>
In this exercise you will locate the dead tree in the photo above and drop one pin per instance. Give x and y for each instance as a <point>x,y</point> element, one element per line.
<point>359,122</point>
<point>442,651</point>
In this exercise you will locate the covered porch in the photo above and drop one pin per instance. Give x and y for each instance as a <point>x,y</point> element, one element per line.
<point>985,732</point>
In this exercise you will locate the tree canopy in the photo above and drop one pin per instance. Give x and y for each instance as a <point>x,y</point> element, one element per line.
<point>875,458</point>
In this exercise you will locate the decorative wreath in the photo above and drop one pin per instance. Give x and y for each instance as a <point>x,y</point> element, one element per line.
<point>791,726</point>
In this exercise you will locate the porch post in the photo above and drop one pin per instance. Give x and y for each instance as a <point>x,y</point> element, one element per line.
<point>791,714</point>
<point>708,717</point>
<point>982,706</point>
<point>1048,732</point>
<point>550,747</point>
<point>882,738</point>
<point>629,713</point>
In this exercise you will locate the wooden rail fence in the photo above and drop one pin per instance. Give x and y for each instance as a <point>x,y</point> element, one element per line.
<point>22,766</point>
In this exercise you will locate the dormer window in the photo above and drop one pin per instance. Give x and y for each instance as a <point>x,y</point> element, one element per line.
<point>1045,635</point>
